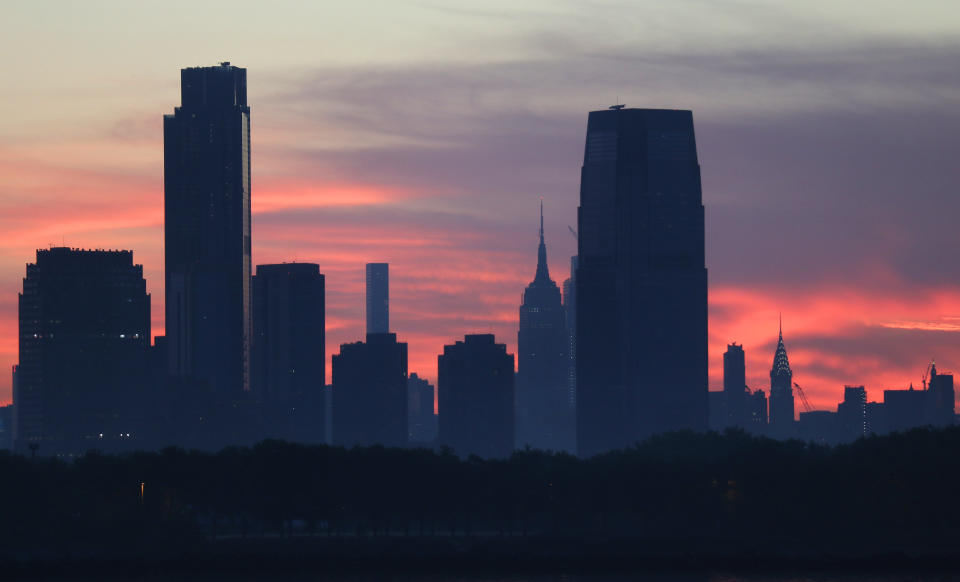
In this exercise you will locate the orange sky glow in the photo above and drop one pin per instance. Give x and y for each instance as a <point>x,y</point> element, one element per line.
<point>436,296</point>
<point>422,136</point>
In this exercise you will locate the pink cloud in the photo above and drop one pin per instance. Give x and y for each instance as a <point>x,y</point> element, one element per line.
<point>836,336</point>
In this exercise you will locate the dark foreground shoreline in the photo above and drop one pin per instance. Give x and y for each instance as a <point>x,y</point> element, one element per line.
<point>681,502</point>
<point>467,557</point>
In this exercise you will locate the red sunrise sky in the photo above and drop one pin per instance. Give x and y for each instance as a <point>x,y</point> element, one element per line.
<point>424,136</point>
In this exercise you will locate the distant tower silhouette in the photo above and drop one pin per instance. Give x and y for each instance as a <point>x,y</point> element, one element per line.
<point>940,398</point>
<point>207,230</point>
<point>735,385</point>
<point>475,389</point>
<point>378,298</point>
<point>781,393</point>
<point>370,392</point>
<point>852,414</point>
<point>570,319</point>
<point>288,349</point>
<point>756,415</point>
<point>421,418</point>
<point>544,418</point>
<point>641,281</point>
<point>84,336</point>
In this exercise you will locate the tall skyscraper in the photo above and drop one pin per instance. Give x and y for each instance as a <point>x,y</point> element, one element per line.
<point>288,349</point>
<point>782,422</point>
<point>476,397</point>
<point>641,282</point>
<point>378,298</point>
<point>735,386</point>
<point>370,392</point>
<point>421,417</point>
<point>84,335</point>
<point>545,419</point>
<point>940,398</point>
<point>852,414</point>
<point>570,319</point>
<point>207,229</point>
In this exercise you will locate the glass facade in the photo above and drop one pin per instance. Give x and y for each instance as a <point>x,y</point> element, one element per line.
<point>207,230</point>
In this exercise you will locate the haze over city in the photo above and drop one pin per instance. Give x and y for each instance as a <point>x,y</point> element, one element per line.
<point>424,135</point>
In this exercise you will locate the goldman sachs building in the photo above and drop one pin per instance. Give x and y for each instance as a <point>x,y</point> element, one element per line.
<point>642,280</point>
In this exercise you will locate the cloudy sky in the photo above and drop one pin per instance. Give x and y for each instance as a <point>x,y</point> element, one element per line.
<point>424,133</point>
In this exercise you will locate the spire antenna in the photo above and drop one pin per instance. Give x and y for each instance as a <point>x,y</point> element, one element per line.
<point>543,274</point>
<point>541,219</point>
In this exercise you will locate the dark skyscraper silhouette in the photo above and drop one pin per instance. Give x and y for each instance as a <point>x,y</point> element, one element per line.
<point>782,422</point>
<point>370,392</point>
<point>852,414</point>
<point>207,229</point>
<point>570,319</point>
<point>903,410</point>
<point>84,335</point>
<point>545,419</point>
<point>288,348</point>
<point>6,427</point>
<point>378,297</point>
<point>757,411</point>
<point>421,418</point>
<point>641,281</point>
<point>735,385</point>
<point>940,398</point>
<point>476,397</point>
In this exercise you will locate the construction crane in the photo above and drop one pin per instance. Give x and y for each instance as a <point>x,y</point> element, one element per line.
<point>573,232</point>
<point>803,398</point>
<point>926,373</point>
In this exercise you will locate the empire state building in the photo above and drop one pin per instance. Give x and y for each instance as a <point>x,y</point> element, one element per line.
<point>544,415</point>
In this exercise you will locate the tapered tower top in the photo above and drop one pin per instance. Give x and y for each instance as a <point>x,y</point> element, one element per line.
<point>781,365</point>
<point>543,273</point>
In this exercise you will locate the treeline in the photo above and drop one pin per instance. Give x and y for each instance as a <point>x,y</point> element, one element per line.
<point>697,492</point>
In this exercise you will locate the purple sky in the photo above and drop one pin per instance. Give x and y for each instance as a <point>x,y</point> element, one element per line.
<point>423,135</point>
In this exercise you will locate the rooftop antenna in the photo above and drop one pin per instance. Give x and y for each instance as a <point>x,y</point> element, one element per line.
<point>541,218</point>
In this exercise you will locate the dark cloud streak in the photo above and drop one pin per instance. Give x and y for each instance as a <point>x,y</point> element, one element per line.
<point>818,165</point>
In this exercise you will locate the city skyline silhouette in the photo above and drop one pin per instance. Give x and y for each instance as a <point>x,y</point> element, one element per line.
<point>245,356</point>
<point>548,290</point>
<point>867,293</point>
